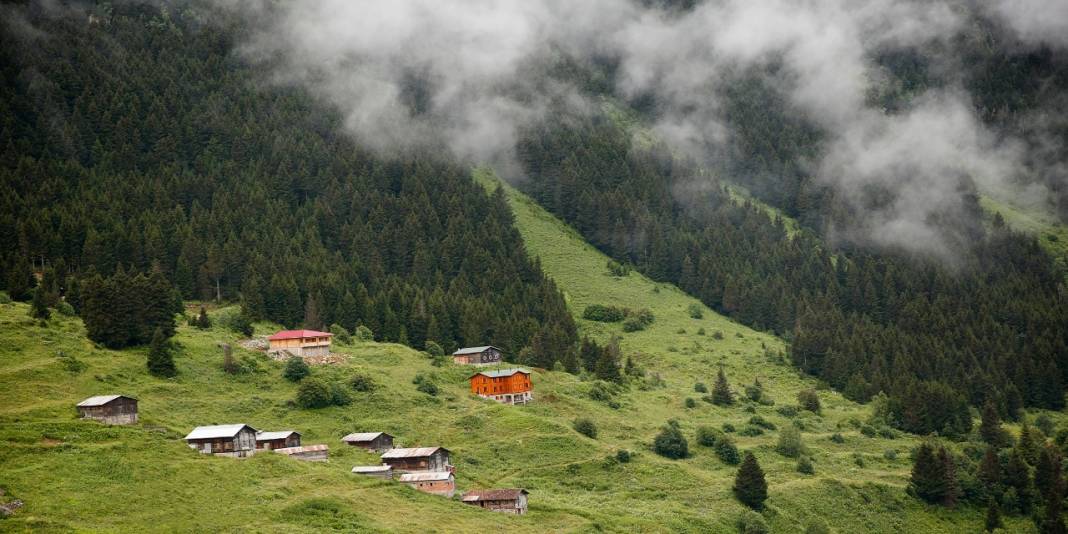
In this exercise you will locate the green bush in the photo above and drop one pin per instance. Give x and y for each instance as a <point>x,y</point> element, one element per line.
<point>586,427</point>
<point>717,335</point>
<point>5,298</point>
<point>623,456</point>
<point>701,331</point>
<point>727,451</point>
<point>362,383</point>
<point>690,403</point>
<point>789,443</point>
<point>728,427</point>
<point>837,438</point>
<point>314,393</point>
<point>64,308</point>
<point>670,443</point>
<point>787,411</point>
<point>816,526</point>
<point>759,421</point>
<point>707,436</point>
<point>296,369</point>
<point>341,334</point>
<point>425,384</point>
<point>696,311</point>
<point>364,334</point>
<point>700,387</point>
<point>434,350</point>
<point>617,269</point>
<point>804,466</point>
<point>809,400</point>
<point>750,431</point>
<point>890,454</point>
<point>603,314</point>
<point>750,522</point>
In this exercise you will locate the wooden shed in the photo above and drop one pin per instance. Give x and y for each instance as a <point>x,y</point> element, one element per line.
<point>509,501</point>
<point>237,440</point>
<point>372,441</point>
<point>277,440</point>
<point>384,471</point>
<point>509,386</point>
<point>418,459</point>
<point>436,482</point>
<point>308,453</point>
<point>300,342</point>
<point>486,355</point>
<point>110,409</point>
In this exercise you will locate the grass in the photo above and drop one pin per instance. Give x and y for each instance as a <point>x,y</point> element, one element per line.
<point>80,475</point>
<point>1051,234</point>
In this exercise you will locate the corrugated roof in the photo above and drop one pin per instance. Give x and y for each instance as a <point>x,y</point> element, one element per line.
<point>306,448</point>
<point>371,468</point>
<point>415,452</point>
<point>280,434</point>
<point>425,476</point>
<point>510,494</point>
<point>473,350</point>
<point>101,400</point>
<point>359,437</point>
<point>498,373</point>
<point>217,431</point>
<point>297,334</point>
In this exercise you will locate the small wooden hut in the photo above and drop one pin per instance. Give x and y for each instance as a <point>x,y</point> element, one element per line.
<point>436,482</point>
<point>372,441</point>
<point>110,409</point>
<point>509,501</point>
<point>418,459</point>
<point>277,440</point>
<point>486,355</point>
<point>300,342</point>
<point>238,440</point>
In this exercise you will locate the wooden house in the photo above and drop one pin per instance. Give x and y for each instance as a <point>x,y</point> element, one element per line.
<point>237,440</point>
<point>436,482</point>
<point>384,471</point>
<point>418,459</point>
<point>509,386</point>
<point>509,501</point>
<point>277,440</point>
<point>488,355</point>
<point>110,409</point>
<point>372,441</point>
<point>308,453</point>
<point>300,342</point>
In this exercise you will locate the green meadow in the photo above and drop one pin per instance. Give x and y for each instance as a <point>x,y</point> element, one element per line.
<point>83,476</point>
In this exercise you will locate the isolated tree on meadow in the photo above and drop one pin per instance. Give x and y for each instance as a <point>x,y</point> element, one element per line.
<point>721,391</point>
<point>160,359</point>
<point>750,486</point>
<point>39,306</point>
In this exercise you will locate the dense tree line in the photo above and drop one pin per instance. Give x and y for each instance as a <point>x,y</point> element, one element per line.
<point>935,339</point>
<point>139,139</point>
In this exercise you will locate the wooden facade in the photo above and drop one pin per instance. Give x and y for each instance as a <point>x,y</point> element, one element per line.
<point>372,441</point>
<point>510,386</point>
<point>309,453</point>
<point>110,409</point>
<point>277,440</point>
<point>418,459</point>
<point>487,355</point>
<point>509,501</point>
<point>227,440</point>
<point>300,342</point>
<point>383,471</point>
<point>438,483</point>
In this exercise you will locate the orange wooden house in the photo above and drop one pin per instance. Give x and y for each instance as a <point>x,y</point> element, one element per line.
<point>301,342</point>
<point>509,386</point>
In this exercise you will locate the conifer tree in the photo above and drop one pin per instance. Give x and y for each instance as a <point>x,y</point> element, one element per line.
<point>990,428</point>
<point>203,322</point>
<point>39,306</point>
<point>952,485</point>
<point>721,390</point>
<point>160,359</point>
<point>1017,476</point>
<point>607,367</point>
<point>928,481</point>
<point>1048,472</point>
<point>990,470</point>
<point>750,487</point>
<point>993,515</point>
<point>670,443</point>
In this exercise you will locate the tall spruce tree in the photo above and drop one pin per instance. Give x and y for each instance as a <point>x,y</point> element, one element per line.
<point>39,306</point>
<point>750,486</point>
<point>928,480</point>
<point>990,428</point>
<point>721,390</point>
<point>993,515</point>
<point>160,359</point>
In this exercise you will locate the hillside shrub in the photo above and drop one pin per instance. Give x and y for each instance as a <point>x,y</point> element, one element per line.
<point>728,427</point>
<point>316,393</point>
<point>726,450</point>
<point>425,384</point>
<point>296,369</point>
<point>817,526</point>
<point>434,349</point>
<point>837,438</point>
<point>203,322</point>
<point>707,436</point>
<point>65,309</point>
<point>721,390</point>
<point>160,359</point>
<point>623,456</point>
<point>789,444</point>
<point>696,311</point>
<point>701,331</point>
<point>670,443</point>
<point>890,454</point>
<point>717,334</point>
<point>603,314</point>
<point>759,421</point>
<point>750,522</point>
<point>750,431</point>
<point>617,269</point>
<point>787,411</point>
<point>754,391</point>
<point>5,298</point>
<point>700,387</point>
<point>341,334</point>
<point>362,383</point>
<point>364,334</point>
<point>807,399</point>
<point>586,427</point>
<point>804,466</point>
<point>690,403</point>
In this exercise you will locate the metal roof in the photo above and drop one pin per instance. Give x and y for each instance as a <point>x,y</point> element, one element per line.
<point>297,334</point>
<point>306,448</point>
<point>510,494</point>
<point>281,434</point>
<point>372,468</point>
<point>427,476</point>
<point>363,436</point>
<point>217,431</point>
<point>473,350</point>
<point>101,400</point>
<point>499,373</point>
<point>415,452</point>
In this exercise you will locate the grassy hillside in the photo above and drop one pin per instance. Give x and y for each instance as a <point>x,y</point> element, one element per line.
<point>76,475</point>
<point>1051,234</point>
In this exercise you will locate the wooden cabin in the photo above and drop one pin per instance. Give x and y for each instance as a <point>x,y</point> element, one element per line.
<point>508,386</point>
<point>300,342</point>
<point>508,501</point>
<point>436,482</point>
<point>384,471</point>
<point>488,355</point>
<point>308,453</point>
<point>237,440</point>
<point>418,459</point>
<point>372,441</point>
<point>110,409</point>
<point>277,440</point>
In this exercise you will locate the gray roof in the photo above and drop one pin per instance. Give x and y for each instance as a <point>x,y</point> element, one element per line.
<point>498,373</point>
<point>281,434</point>
<point>473,350</point>
<point>372,468</point>
<point>217,431</point>
<point>101,400</point>
<point>416,452</point>
<point>359,437</point>
<point>425,476</point>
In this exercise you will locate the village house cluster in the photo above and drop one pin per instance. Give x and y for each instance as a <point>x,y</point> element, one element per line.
<point>427,469</point>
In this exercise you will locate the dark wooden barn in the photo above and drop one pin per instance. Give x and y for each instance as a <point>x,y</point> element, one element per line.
<point>418,459</point>
<point>509,501</point>
<point>237,440</point>
<point>110,409</point>
<point>372,441</point>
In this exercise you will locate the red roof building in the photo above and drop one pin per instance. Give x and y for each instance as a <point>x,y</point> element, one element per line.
<point>301,342</point>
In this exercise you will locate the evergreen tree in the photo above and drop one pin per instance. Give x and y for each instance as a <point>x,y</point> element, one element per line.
<point>203,322</point>
<point>750,487</point>
<point>296,369</point>
<point>1017,476</point>
<point>990,428</point>
<point>670,443</point>
<point>952,485</point>
<point>39,306</point>
<point>989,473</point>
<point>160,359</point>
<point>928,480</point>
<point>993,515</point>
<point>721,390</point>
<point>1048,472</point>
<point>607,367</point>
